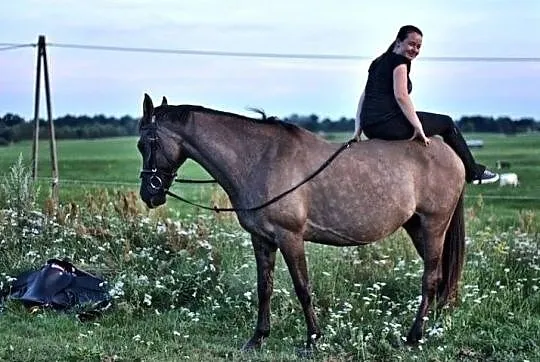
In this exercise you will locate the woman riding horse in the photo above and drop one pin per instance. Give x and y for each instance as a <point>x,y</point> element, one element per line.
<point>385,109</point>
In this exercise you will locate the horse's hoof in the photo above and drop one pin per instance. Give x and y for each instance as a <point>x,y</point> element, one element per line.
<point>411,342</point>
<point>413,339</point>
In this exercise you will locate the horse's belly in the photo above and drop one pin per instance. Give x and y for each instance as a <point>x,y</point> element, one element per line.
<point>357,217</point>
<point>352,228</point>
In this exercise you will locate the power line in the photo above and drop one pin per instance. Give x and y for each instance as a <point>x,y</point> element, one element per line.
<point>283,55</point>
<point>11,46</point>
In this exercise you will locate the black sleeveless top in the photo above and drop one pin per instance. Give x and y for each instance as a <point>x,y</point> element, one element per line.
<point>380,104</point>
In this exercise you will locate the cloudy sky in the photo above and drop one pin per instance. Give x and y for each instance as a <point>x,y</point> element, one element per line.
<point>113,83</point>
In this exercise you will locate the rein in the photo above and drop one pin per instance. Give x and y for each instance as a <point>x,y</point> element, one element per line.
<point>191,181</point>
<point>272,200</point>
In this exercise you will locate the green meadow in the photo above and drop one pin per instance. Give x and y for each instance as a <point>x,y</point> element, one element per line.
<point>183,279</point>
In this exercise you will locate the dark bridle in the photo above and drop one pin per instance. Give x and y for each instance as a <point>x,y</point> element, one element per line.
<point>155,182</point>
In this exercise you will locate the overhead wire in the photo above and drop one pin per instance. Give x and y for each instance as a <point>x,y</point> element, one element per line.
<point>283,55</point>
<point>11,46</point>
<point>114,48</point>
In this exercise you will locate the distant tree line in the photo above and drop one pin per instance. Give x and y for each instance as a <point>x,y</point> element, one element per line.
<point>466,124</point>
<point>14,128</point>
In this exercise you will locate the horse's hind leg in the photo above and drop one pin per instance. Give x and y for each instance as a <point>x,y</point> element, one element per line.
<point>265,256</point>
<point>293,252</point>
<point>433,248</point>
<point>413,226</point>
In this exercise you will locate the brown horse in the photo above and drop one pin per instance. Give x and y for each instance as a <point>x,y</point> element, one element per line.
<point>366,193</point>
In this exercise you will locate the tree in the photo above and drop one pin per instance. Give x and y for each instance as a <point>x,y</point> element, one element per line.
<point>10,120</point>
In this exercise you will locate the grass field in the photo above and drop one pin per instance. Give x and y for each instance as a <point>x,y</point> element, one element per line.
<point>183,280</point>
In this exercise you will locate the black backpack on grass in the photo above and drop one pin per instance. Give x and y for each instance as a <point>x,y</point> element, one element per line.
<point>61,286</point>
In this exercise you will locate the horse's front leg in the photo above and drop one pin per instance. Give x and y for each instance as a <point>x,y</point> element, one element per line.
<point>265,256</point>
<point>294,255</point>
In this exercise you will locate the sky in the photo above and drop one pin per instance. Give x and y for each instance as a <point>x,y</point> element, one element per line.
<point>90,82</point>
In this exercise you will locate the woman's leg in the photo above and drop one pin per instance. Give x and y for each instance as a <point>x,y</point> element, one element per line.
<point>439,124</point>
<point>433,124</point>
<point>391,130</point>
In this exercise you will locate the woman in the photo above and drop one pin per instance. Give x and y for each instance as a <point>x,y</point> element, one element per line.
<point>385,109</point>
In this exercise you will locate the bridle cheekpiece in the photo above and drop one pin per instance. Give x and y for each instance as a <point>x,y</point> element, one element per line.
<point>155,180</point>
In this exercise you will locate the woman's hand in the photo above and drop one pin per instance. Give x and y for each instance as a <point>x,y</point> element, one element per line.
<point>421,136</point>
<point>356,137</point>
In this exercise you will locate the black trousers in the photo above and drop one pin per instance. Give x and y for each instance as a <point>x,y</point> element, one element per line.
<point>400,128</point>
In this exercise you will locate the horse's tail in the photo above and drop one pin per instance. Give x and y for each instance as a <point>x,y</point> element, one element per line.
<point>453,256</point>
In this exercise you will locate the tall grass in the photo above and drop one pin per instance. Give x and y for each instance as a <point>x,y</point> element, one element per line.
<point>18,191</point>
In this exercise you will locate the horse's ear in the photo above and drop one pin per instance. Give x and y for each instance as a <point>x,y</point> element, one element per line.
<point>148,109</point>
<point>164,101</point>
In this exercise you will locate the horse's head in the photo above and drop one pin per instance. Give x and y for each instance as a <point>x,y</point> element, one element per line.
<point>161,154</point>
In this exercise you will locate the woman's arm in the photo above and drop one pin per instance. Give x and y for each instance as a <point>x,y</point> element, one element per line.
<point>357,128</point>
<point>405,103</point>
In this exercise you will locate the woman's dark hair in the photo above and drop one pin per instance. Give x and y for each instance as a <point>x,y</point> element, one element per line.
<point>402,35</point>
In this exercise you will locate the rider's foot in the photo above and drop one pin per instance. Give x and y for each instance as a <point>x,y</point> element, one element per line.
<point>487,177</point>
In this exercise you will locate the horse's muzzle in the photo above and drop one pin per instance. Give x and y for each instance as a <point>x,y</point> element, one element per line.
<point>152,192</point>
<point>154,186</point>
<point>156,201</point>
<point>153,201</point>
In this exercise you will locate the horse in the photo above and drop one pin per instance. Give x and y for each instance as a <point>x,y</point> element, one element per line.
<point>368,191</point>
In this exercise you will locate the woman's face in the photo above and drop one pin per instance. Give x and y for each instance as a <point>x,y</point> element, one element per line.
<point>410,47</point>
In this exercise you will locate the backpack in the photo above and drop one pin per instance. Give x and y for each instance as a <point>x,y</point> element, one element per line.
<point>60,285</point>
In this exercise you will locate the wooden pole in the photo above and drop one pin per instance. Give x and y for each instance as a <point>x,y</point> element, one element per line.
<point>42,55</point>
<point>35,144</point>
<point>52,134</point>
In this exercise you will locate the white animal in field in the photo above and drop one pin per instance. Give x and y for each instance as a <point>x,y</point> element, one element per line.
<point>510,179</point>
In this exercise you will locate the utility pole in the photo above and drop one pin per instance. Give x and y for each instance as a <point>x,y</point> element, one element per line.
<point>42,58</point>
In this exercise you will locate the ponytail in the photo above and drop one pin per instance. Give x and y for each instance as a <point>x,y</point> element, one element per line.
<point>391,47</point>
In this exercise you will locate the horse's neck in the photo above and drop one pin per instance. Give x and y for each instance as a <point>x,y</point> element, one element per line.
<point>229,149</point>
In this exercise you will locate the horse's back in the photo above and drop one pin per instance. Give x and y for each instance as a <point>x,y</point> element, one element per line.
<point>383,166</point>
<point>374,186</point>
<point>402,171</point>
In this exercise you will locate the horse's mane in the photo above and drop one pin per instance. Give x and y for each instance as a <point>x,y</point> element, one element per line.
<point>181,112</point>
